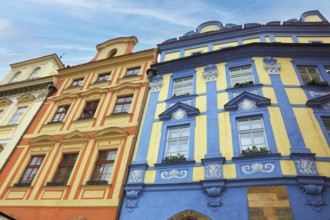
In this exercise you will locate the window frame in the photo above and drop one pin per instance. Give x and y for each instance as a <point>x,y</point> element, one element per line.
<point>181,75</point>
<point>16,121</point>
<point>251,132</point>
<point>67,107</point>
<point>91,108</point>
<point>71,164</point>
<point>103,163</point>
<point>34,73</point>
<point>75,84</point>
<point>183,86</point>
<point>130,72</point>
<point>123,104</point>
<point>178,139</point>
<point>15,77</point>
<point>308,74</point>
<point>102,75</point>
<point>33,167</point>
<point>241,75</point>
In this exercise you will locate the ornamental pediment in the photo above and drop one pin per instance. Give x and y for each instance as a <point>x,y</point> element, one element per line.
<point>94,92</point>
<point>179,111</point>
<point>75,136</point>
<point>113,132</point>
<point>67,97</point>
<point>320,102</point>
<point>43,140</point>
<point>246,101</point>
<point>26,98</point>
<point>126,86</point>
<point>5,102</point>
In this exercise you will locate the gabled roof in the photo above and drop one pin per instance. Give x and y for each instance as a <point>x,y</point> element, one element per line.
<point>235,102</point>
<point>317,102</point>
<point>189,110</point>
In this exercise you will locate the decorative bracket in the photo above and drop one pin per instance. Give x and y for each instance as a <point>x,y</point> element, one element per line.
<point>133,193</point>
<point>210,73</point>
<point>214,191</point>
<point>271,65</point>
<point>155,86</point>
<point>313,195</point>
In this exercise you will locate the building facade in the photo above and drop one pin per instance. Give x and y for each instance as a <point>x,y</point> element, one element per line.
<point>236,125</point>
<point>72,162</point>
<point>22,93</point>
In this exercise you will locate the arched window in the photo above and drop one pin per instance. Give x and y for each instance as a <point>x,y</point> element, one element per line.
<point>34,73</point>
<point>189,215</point>
<point>15,77</point>
<point>112,53</point>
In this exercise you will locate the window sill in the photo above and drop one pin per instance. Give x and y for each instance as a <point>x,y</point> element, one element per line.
<point>182,96</point>
<point>93,183</point>
<point>55,122</point>
<point>270,155</point>
<point>85,118</point>
<point>72,87</point>
<point>22,185</point>
<point>56,184</point>
<point>8,126</point>
<point>187,162</point>
<point>119,113</point>
<point>242,88</point>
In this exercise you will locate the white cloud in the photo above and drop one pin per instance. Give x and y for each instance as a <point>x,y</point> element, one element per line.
<point>69,47</point>
<point>7,52</point>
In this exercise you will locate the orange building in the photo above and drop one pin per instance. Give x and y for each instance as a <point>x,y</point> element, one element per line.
<point>72,162</point>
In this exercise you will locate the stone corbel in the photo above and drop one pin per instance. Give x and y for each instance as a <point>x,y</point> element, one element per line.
<point>313,190</point>
<point>271,65</point>
<point>214,191</point>
<point>313,195</point>
<point>133,193</point>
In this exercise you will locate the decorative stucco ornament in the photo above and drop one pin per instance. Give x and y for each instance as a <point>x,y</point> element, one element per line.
<point>155,86</point>
<point>213,171</point>
<point>258,167</point>
<point>306,166</point>
<point>211,75</point>
<point>247,104</point>
<point>135,176</point>
<point>173,174</point>
<point>179,114</point>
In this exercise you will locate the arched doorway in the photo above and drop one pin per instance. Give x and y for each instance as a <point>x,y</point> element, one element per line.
<point>189,215</point>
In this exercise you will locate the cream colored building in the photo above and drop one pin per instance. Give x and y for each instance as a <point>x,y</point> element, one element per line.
<point>22,93</point>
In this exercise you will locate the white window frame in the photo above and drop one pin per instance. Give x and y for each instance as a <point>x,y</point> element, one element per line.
<point>252,132</point>
<point>309,74</point>
<point>241,72</point>
<point>183,86</point>
<point>17,116</point>
<point>179,139</point>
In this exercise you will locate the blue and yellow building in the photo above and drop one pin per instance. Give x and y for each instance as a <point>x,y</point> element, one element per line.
<point>236,125</point>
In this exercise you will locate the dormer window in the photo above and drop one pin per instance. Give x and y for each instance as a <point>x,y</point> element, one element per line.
<point>15,77</point>
<point>77,82</point>
<point>133,71</point>
<point>34,73</point>
<point>112,53</point>
<point>103,77</point>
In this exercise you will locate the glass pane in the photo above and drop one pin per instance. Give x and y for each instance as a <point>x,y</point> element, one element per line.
<point>103,155</point>
<point>40,159</point>
<point>258,138</point>
<point>173,133</point>
<point>317,78</point>
<point>60,174</point>
<point>243,125</point>
<point>112,155</point>
<point>183,145</point>
<point>245,139</point>
<point>67,174</point>
<point>118,108</point>
<point>172,147</point>
<point>98,172</point>
<point>256,123</point>
<point>302,70</point>
<point>34,160</point>
<point>128,99</point>
<point>127,107</point>
<point>185,132</point>
<point>312,70</point>
<point>120,100</point>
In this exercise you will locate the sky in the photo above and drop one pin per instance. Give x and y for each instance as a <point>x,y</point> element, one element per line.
<point>72,28</point>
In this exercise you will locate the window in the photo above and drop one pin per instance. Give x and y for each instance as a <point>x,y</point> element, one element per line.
<point>77,82</point>
<point>103,165</point>
<point>183,86</point>
<point>177,142</point>
<point>112,53</point>
<point>31,169</point>
<point>60,113</point>
<point>251,132</point>
<point>241,75</point>
<point>90,109</point>
<point>103,77</point>
<point>34,73</point>
<point>327,69</point>
<point>65,168</point>
<point>133,71</point>
<point>326,123</point>
<point>15,77</point>
<point>309,73</point>
<point>17,116</point>
<point>123,104</point>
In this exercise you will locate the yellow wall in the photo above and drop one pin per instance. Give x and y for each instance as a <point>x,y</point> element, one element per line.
<point>220,46</point>
<point>307,39</point>
<point>209,28</point>
<point>312,18</point>
<point>262,72</point>
<point>226,145</point>
<point>287,72</point>
<point>221,79</point>
<point>284,39</point>
<point>165,87</point>
<point>154,142</point>
<point>288,168</point>
<point>200,138</point>
<point>188,52</point>
<point>253,40</point>
<point>296,96</point>
<point>269,93</point>
<point>172,56</point>
<point>311,131</point>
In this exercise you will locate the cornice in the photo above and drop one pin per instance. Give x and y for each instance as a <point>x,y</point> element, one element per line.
<point>290,50</point>
<point>52,57</point>
<point>116,61</point>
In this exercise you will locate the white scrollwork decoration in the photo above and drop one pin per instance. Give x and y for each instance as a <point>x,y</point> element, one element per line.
<point>210,76</point>
<point>258,167</point>
<point>173,174</point>
<point>318,94</point>
<point>272,68</point>
<point>213,170</point>
<point>306,166</point>
<point>155,86</point>
<point>135,176</point>
<point>247,105</point>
